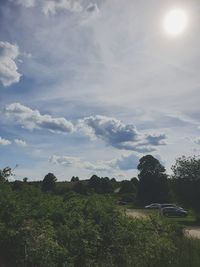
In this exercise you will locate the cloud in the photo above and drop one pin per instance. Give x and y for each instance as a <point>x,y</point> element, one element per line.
<point>20,142</point>
<point>77,162</point>
<point>127,162</point>
<point>26,3</point>
<point>197,141</point>
<point>119,135</point>
<point>52,7</point>
<point>32,119</point>
<point>4,142</point>
<point>49,7</point>
<point>65,160</point>
<point>8,69</point>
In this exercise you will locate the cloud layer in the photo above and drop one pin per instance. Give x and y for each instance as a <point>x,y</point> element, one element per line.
<point>32,119</point>
<point>8,69</point>
<point>127,162</point>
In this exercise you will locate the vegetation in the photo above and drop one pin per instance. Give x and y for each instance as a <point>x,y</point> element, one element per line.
<point>78,224</point>
<point>153,185</point>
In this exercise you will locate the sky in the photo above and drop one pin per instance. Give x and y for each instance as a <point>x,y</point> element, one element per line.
<point>90,86</point>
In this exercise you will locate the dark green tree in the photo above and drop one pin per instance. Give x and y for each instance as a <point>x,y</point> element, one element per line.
<point>49,182</point>
<point>80,188</point>
<point>153,184</point>
<point>186,181</point>
<point>106,185</point>
<point>95,183</point>
<point>74,179</point>
<point>127,187</point>
<point>5,174</point>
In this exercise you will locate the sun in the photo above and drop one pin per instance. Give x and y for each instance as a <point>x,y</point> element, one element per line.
<point>175,22</point>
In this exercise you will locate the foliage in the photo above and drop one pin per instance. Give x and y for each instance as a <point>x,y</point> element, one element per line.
<point>186,181</point>
<point>42,229</point>
<point>5,174</point>
<point>49,182</point>
<point>187,168</point>
<point>100,185</point>
<point>74,179</point>
<point>153,185</point>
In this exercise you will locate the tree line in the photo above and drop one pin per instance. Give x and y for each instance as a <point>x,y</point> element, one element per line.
<point>152,185</point>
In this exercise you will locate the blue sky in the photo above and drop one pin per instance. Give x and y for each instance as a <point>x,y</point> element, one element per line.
<point>91,86</point>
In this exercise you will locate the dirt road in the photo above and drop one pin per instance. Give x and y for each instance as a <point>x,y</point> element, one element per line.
<point>193,231</point>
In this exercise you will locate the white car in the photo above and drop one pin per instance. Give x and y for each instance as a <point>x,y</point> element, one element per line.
<point>153,206</point>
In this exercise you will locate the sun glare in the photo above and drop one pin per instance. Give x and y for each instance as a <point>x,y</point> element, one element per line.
<point>175,22</point>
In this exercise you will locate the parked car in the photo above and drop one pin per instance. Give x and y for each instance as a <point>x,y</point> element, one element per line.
<point>153,206</point>
<point>165,205</point>
<point>174,211</point>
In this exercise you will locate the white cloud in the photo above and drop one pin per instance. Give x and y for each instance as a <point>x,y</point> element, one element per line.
<point>197,141</point>
<point>53,6</point>
<point>4,142</point>
<point>79,163</point>
<point>119,135</point>
<point>65,160</point>
<point>26,3</point>
<point>127,162</point>
<point>32,119</point>
<point>20,142</point>
<point>8,69</point>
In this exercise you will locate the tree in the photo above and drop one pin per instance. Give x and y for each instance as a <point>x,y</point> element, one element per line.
<point>74,179</point>
<point>187,168</point>
<point>127,187</point>
<point>153,184</point>
<point>186,181</point>
<point>135,181</point>
<point>5,174</point>
<point>95,183</point>
<point>49,182</point>
<point>100,185</point>
<point>25,179</point>
<point>80,188</point>
<point>106,185</point>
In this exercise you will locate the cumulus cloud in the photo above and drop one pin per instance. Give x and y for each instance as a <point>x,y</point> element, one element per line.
<point>4,142</point>
<point>8,69</point>
<point>32,119</point>
<point>119,135</point>
<point>20,142</point>
<point>128,162</point>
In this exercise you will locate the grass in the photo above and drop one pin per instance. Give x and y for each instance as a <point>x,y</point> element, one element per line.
<point>189,220</point>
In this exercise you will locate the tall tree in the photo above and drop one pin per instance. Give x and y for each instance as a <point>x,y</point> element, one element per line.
<point>153,185</point>
<point>186,181</point>
<point>5,174</point>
